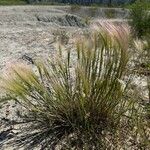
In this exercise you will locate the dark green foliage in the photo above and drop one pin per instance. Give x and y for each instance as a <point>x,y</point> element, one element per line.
<point>140,16</point>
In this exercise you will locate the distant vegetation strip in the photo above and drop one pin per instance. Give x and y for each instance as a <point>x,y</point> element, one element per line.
<point>56,2</point>
<point>13,2</point>
<point>129,5</point>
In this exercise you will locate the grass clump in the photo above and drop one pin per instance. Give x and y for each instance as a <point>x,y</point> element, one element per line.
<point>78,100</point>
<point>61,36</point>
<point>75,8</point>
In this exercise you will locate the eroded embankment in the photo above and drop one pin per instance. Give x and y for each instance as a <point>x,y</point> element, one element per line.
<point>29,29</point>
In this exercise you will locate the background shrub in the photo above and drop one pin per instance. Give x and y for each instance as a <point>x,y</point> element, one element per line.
<point>140,18</point>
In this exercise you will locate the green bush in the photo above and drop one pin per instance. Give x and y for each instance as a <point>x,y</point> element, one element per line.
<point>140,18</point>
<point>78,100</point>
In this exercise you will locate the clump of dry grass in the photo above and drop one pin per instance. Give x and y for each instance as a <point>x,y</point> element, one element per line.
<point>61,37</point>
<point>78,101</point>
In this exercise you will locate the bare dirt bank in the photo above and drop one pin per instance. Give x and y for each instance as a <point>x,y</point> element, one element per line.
<point>28,29</point>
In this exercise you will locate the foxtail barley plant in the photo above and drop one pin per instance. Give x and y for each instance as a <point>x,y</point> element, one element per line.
<point>77,101</point>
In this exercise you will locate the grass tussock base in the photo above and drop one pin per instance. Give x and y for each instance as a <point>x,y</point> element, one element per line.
<point>78,100</point>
